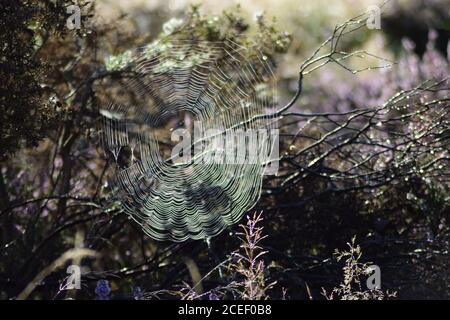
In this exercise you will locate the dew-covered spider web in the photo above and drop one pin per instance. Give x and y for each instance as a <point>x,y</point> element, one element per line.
<point>189,85</point>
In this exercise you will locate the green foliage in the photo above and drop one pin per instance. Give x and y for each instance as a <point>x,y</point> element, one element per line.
<point>229,26</point>
<point>29,107</point>
<point>119,62</point>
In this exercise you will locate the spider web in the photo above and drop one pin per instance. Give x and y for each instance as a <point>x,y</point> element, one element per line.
<point>174,84</point>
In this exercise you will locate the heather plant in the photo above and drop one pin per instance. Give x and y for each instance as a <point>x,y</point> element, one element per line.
<point>360,153</point>
<point>407,109</point>
<point>244,269</point>
<point>248,261</point>
<point>30,108</point>
<point>374,88</point>
<point>49,192</point>
<point>354,273</point>
<point>102,290</point>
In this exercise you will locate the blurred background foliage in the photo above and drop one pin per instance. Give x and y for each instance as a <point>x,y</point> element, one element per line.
<point>53,181</point>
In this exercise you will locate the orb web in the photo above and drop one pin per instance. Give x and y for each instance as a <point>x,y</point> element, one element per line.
<point>187,85</point>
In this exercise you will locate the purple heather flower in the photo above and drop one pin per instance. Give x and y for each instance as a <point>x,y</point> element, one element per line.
<point>103,289</point>
<point>213,296</point>
<point>138,294</point>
